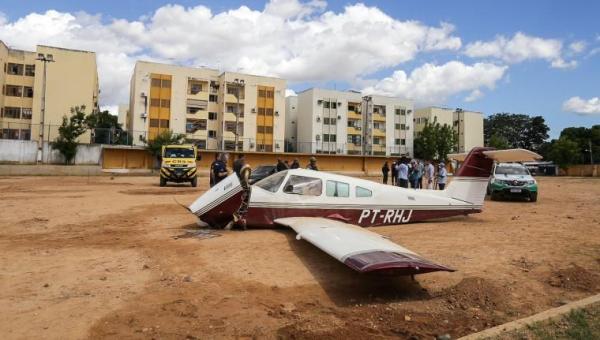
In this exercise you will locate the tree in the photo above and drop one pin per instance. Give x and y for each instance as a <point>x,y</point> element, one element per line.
<point>519,130</point>
<point>564,152</point>
<point>435,141</point>
<point>70,129</point>
<point>106,129</point>
<point>584,137</point>
<point>167,137</point>
<point>498,142</point>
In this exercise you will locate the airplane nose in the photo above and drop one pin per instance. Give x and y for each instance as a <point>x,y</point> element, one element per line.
<point>217,206</point>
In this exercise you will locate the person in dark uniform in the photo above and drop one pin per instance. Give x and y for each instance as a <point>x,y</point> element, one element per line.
<point>238,164</point>
<point>394,172</point>
<point>281,165</point>
<point>211,174</point>
<point>385,170</point>
<point>220,168</point>
<point>313,164</point>
<point>295,164</point>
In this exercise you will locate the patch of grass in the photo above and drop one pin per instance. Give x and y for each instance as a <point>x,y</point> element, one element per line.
<point>579,324</point>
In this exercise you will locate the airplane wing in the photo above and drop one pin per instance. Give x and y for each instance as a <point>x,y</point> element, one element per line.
<point>508,155</point>
<point>358,248</point>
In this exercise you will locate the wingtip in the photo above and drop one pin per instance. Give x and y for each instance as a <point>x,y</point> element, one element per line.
<point>391,262</point>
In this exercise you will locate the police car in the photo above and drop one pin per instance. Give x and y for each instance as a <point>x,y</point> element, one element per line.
<point>512,180</point>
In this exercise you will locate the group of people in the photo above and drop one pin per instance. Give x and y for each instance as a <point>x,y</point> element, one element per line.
<point>218,168</point>
<point>418,175</point>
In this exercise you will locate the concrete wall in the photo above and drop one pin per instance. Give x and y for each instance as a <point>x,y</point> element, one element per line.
<point>25,152</point>
<point>584,170</point>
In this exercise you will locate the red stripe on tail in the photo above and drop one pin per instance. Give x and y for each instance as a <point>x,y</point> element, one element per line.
<point>476,164</point>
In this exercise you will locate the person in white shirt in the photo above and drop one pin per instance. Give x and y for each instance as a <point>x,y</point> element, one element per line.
<point>402,174</point>
<point>429,174</point>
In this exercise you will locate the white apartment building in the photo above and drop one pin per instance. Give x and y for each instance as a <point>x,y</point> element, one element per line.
<point>291,122</point>
<point>347,122</point>
<point>468,125</point>
<point>213,109</point>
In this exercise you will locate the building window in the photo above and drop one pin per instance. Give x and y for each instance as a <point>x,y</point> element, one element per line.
<point>230,126</point>
<point>192,110</point>
<point>201,144</point>
<point>334,105</point>
<point>164,123</point>
<point>325,105</point>
<point>165,103</point>
<point>213,98</point>
<point>9,134</point>
<point>269,111</point>
<point>270,94</point>
<point>25,134</point>
<point>401,112</point>
<point>155,82</point>
<point>329,121</point>
<point>26,113</point>
<point>212,116</point>
<point>15,69</point>
<point>12,112</point>
<point>194,87</point>
<point>30,70</point>
<point>153,123</point>
<point>230,109</point>
<point>212,134</point>
<point>193,125</point>
<point>155,102</point>
<point>165,83</point>
<point>28,92</point>
<point>403,141</point>
<point>13,91</point>
<point>329,138</point>
<point>402,126</point>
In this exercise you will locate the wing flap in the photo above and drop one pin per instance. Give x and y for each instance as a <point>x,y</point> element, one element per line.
<point>358,248</point>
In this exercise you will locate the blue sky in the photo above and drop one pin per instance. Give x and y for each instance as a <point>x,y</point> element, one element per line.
<point>517,81</point>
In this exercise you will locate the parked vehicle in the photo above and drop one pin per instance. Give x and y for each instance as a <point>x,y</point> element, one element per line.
<point>512,180</point>
<point>179,164</point>
<point>261,172</point>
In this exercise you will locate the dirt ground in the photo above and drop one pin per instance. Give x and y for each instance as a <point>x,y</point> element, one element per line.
<point>119,258</point>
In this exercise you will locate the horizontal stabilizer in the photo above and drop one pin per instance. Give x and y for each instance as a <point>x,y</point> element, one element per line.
<point>358,248</point>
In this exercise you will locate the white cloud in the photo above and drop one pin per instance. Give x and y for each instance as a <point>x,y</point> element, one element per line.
<point>290,93</point>
<point>582,106</point>
<point>112,109</point>
<point>299,41</point>
<point>519,48</point>
<point>577,46</point>
<point>474,95</point>
<point>433,84</point>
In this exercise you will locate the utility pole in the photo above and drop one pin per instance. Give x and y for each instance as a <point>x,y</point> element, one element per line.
<point>591,155</point>
<point>366,133</point>
<point>458,112</point>
<point>239,83</point>
<point>48,58</point>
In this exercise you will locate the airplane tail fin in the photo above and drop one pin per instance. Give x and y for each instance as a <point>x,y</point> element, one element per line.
<point>470,181</point>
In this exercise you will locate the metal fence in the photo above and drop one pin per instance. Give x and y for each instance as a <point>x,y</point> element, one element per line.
<point>113,136</point>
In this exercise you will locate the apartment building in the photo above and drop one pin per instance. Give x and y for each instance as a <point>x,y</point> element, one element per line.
<point>208,106</point>
<point>347,122</point>
<point>468,125</point>
<point>71,80</point>
<point>291,122</point>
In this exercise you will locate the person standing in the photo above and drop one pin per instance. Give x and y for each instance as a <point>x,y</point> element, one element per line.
<point>295,164</point>
<point>220,168</point>
<point>413,174</point>
<point>442,176</point>
<point>385,170</point>
<point>420,169</point>
<point>394,172</point>
<point>281,165</point>
<point>402,175</point>
<point>238,164</point>
<point>212,166</point>
<point>313,164</point>
<point>429,174</point>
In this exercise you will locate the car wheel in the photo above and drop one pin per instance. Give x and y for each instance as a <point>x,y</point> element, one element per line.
<point>194,182</point>
<point>163,181</point>
<point>533,197</point>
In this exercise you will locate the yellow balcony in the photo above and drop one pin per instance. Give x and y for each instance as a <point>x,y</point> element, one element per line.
<point>198,96</point>
<point>378,117</point>
<point>378,147</point>
<point>231,98</point>
<point>231,117</point>
<point>378,133</point>
<point>200,114</point>
<point>353,147</point>
<point>353,131</point>
<point>354,115</point>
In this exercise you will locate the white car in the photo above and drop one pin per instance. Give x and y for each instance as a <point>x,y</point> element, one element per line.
<point>512,180</point>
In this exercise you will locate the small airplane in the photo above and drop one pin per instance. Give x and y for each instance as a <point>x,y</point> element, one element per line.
<point>330,210</point>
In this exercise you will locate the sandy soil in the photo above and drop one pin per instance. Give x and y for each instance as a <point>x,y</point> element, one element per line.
<point>114,258</point>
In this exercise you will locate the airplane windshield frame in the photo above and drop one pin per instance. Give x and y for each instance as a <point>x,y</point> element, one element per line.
<point>273,182</point>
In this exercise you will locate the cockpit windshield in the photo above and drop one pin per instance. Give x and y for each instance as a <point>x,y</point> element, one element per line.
<point>273,182</point>
<point>511,170</point>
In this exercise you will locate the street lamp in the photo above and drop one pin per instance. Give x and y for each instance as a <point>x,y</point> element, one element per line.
<point>458,111</point>
<point>47,58</point>
<point>239,83</point>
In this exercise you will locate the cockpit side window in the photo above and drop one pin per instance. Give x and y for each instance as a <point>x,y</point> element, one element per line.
<point>338,189</point>
<point>303,185</point>
<point>363,192</point>
<point>273,182</point>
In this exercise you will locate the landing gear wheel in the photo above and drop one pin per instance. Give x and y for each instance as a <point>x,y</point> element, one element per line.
<point>163,181</point>
<point>533,197</point>
<point>194,182</point>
